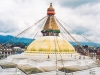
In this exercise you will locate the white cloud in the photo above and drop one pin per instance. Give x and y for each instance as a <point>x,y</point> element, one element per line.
<point>85,19</point>
<point>16,15</point>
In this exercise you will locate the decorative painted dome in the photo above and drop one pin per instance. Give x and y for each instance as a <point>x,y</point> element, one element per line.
<point>50,44</point>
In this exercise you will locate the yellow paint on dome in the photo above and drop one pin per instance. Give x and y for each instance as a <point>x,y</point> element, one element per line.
<point>50,44</point>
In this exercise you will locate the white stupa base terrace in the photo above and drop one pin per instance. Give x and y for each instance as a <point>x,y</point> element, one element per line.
<point>43,57</point>
<point>42,61</point>
<point>16,71</point>
<point>92,71</point>
<point>48,65</point>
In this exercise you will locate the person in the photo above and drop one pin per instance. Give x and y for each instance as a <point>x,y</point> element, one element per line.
<point>79,57</point>
<point>48,57</point>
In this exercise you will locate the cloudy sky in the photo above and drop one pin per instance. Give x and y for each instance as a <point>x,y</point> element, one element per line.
<point>82,15</point>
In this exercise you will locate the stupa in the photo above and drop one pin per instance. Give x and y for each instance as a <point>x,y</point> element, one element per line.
<point>51,51</point>
<point>47,44</point>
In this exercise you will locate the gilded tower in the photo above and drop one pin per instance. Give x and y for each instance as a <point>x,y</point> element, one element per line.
<point>50,27</point>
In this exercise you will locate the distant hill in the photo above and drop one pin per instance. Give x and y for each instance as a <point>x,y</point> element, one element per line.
<point>85,43</point>
<point>26,41</point>
<point>12,39</point>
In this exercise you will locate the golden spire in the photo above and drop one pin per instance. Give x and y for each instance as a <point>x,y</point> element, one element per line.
<point>50,28</point>
<point>50,5</point>
<point>50,10</point>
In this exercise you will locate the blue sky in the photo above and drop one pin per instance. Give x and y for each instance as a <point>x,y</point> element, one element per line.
<point>76,3</point>
<point>81,15</point>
